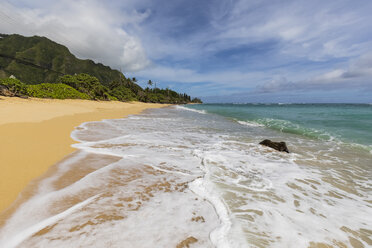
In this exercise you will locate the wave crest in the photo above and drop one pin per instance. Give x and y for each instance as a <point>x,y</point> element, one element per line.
<point>192,110</point>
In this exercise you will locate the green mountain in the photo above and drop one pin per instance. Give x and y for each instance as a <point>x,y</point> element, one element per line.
<point>46,69</point>
<point>37,59</point>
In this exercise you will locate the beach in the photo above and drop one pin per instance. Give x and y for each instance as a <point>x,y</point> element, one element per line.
<point>95,195</point>
<point>35,134</point>
<point>196,176</point>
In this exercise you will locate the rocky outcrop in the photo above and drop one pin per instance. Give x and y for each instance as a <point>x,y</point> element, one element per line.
<point>5,92</point>
<point>279,146</point>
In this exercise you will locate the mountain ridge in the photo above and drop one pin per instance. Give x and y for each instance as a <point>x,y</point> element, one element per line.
<point>37,59</point>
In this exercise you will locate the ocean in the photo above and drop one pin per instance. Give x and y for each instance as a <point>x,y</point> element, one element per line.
<point>196,176</point>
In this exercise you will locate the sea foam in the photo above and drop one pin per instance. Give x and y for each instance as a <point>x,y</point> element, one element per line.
<point>192,110</point>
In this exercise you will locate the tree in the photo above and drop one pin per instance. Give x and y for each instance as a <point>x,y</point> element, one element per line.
<point>14,85</point>
<point>86,84</point>
<point>150,83</point>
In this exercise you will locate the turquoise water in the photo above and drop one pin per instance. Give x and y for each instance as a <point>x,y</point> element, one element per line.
<point>346,122</point>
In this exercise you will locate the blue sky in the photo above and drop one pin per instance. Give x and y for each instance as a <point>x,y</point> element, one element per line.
<point>221,51</point>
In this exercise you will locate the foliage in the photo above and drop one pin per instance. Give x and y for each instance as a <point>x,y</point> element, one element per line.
<point>157,95</point>
<point>14,85</point>
<point>37,59</point>
<point>112,98</point>
<point>84,86</point>
<point>196,100</point>
<point>123,93</point>
<point>55,91</point>
<point>87,84</point>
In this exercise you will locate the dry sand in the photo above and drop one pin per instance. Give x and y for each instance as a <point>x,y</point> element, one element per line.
<point>35,134</point>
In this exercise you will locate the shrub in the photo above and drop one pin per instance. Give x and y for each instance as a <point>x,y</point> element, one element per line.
<point>14,85</point>
<point>196,100</point>
<point>112,98</point>
<point>55,91</point>
<point>87,84</point>
<point>123,93</point>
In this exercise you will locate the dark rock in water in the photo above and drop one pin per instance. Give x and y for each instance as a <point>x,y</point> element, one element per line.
<point>279,146</point>
<point>5,92</point>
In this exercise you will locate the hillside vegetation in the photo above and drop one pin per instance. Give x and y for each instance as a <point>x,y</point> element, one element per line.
<point>55,91</point>
<point>46,69</point>
<point>38,59</point>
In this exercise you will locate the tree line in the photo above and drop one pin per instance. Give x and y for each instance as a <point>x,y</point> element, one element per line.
<point>85,86</point>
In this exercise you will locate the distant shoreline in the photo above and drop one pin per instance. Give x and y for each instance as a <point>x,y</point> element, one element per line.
<point>35,134</point>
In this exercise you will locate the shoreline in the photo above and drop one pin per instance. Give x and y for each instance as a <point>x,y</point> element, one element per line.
<point>35,134</point>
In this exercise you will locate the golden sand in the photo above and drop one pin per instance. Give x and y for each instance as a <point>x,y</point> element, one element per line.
<point>35,134</point>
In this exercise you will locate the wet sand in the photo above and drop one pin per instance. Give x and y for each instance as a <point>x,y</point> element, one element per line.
<point>35,134</point>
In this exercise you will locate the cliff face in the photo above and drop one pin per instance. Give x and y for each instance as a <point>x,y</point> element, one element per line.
<point>37,59</point>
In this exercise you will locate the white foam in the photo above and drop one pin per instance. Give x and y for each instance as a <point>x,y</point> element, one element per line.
<point>14,241</point>
<point>219,235</point>
<point>46,185</point>
<point>192,110</point>
<point>250,124</point>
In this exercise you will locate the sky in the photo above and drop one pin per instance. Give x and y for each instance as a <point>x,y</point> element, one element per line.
<point>221,51</point>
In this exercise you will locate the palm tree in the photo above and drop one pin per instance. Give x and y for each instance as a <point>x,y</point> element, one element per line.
<point>150,83</point>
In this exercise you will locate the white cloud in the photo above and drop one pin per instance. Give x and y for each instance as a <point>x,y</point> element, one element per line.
<point>304,33</point>
<point>315,30</point>
<point>356,76</point>
<point>230,78</point>
<point>90,29</point>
